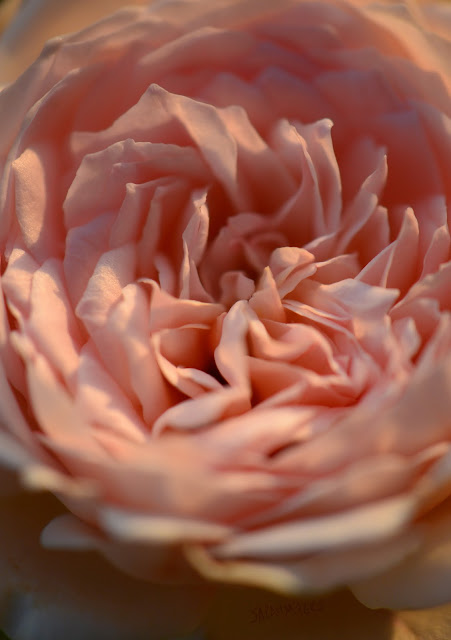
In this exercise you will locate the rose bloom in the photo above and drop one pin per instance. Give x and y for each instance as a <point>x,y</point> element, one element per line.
<point>225,331</point>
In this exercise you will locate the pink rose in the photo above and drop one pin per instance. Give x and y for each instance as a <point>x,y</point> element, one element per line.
<point>225,328</point>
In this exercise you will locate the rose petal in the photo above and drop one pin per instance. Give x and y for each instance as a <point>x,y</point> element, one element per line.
<point>364,524</point>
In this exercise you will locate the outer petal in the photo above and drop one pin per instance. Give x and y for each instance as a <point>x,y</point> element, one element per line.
<point>422,579</point>
<point>55,594</point>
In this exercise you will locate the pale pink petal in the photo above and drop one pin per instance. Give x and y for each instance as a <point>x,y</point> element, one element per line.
<point>337,268</point>
<point>51,323</point>
<point>264,173</point>
<point>411,161</point>
<point>404,23</point>
<point>365,524</point>
<point>364,93</point>
<point>17,279</point>
<point>263,575</point>
<point>112,169</point>
<point>301,345</point>
<point>132,213</point>
<point>265,301</point>
<point>397,266</point>
<point>176,119</point>
<point>100,181</point>
<point>401,430</point>
<point>37,210</point>
<point>419,581</point>
<point>85,244</point>
<point>325,571</point>
<point>362,207</point>
<point>159,253</point>
<point>47,478</point>
<point>100,402</point>
<point>291,96</point>
<point>225,89</point>
<point>225,320</point>
<point>367,481</point>
<point>438,126</point>
<point>303,146</point>
<point>290,265</point>
<point>55,99</point>
<point>204,410</point>
<point>101,299</point>
<point>424,300</point>
<point>438,346</point>
<point>250,437</point>
<point>235,286</point>
<point>434,235</point>
<point>194,239</point>
<point>53,406</point>
<point>224,48</point>
<point>188,380</point>
<point>230,354</point>
<point>136,527</point>
<point>168,312</point>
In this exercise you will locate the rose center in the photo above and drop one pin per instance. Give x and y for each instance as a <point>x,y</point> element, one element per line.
<point>236,258</point>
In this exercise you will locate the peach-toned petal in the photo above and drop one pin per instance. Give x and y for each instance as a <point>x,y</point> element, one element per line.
<point>182,118</point>
<point>130,527</point>
<point>265,301</point>
<point>45,478</point>
<point>225,314</point>
<point>364,203</point>
<point>275,578</point>
<point>419,581</point>
<point>235,286</point>
<point>310,148</point>
<point>364,524</point>
<point>132,162</point>
<point>245,435</point>
<point>100,306</point>
<point>325,571</point>
<point>205,410</point>
<point>289,266</point>
<point>230,354</point>
<point>53,405</point>
<point>100,402</point>
<point>397,266</point>
<point>404,23</point>
<point>265,173</point>
<point>375,478</point>
<point>40,224</point>
<point>56,333</point>
<point>190,380</point>
<point>85,244</point>
<point>168,312</point>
